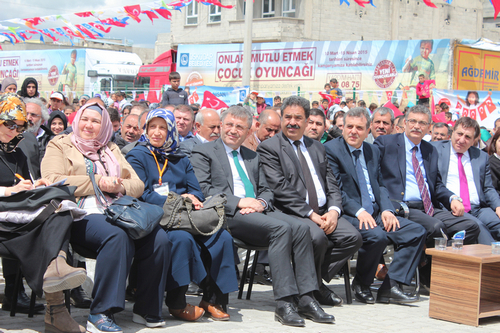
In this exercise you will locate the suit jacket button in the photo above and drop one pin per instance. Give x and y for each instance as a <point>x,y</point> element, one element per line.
<point>397,210</point>
<point>402,193</point>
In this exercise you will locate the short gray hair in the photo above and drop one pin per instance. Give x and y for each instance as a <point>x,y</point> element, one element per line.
<point>358,112</point>
<point>38,101</point>
<point>383,111</point>
<point>238,112</point>
<point>296,101</point>
<point>419,109</point>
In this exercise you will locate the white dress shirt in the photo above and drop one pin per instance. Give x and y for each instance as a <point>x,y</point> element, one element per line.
<point>238,186</point>
<point>320,192</point>
<point>202,139</point>
<point>453,180</point>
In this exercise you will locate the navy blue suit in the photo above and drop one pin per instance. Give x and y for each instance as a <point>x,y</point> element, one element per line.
<point>484,213</point>
<point>181,179</point>
<point>408,240</point>
<point>393,169</point>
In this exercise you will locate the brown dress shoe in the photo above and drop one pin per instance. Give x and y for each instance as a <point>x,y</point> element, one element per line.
<point>214,311</point>
<point>189,313</point>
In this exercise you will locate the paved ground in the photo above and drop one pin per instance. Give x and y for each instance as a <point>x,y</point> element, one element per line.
<point>257,315</point>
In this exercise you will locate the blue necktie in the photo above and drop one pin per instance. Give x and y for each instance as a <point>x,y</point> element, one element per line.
<point>366,201</point>
<point>249,192</point>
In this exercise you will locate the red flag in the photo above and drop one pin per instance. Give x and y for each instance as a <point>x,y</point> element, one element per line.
<point>389,94</point>
<point>482,111</point>
<point>212,102</point>
<point>100,27</point>
<point>165,13</point>
<point>193,98</point>
<point>394,109</point>
<point>73,33</point>
<point>114,21</point>
<point>217,3</point>
<point>85,31</point>
<point>151,15</point>
<point>84,14</point>
<point>429,3</point>
<point>134,12</point>
<point>30,22</point>
<point>465,112</point>
<point>362,3</point>
<point>489,104</point>
<point>329,97</point>
<point>496,6</point>
<point>439,118</point>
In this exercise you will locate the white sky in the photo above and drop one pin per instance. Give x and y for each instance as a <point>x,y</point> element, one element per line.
<point>143,34</point>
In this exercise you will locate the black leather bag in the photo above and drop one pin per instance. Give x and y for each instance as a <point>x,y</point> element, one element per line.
<point>137,218</point>
<point>180,215</point>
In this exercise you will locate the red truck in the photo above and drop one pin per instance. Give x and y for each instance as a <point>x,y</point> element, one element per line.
<point>153,77</point>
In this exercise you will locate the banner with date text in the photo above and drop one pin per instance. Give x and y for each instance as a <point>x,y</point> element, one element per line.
<point>483,106</point>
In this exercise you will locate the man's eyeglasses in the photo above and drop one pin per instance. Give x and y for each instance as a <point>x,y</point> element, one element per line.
<point>13,126</point>
<point>413,122</point>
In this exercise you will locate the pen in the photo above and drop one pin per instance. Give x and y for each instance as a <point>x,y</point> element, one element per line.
<point>19,176</point>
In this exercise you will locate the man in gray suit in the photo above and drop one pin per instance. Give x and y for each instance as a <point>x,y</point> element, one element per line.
<point>471,179</point>
<point>304,186</point>
<point>207,124</point>
<point>356,165</point>
<point>225,166</point>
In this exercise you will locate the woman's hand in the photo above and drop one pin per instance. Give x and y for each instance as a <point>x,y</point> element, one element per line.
<point>111,185</point>
<point>42,182</point>
<point>23,185</point>
<point>196,203</point>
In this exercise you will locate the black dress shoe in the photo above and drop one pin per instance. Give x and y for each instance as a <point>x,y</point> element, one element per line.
<point>395,295</point>
<point>287,315</point>
<point>193,289</point>
<point>325,296</point>
<point>362,293</point>
<point>80,298</point>
<point>23,303</point>
<point>314,312</point>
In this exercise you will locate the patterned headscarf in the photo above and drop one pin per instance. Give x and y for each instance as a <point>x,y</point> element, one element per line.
<point>97,149</point>
<point>12,108</point>
<point>171,144</point>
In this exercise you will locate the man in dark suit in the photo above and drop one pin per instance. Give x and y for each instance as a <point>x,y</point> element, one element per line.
<point>471,179</point>
<point>411,175</point>
<point>367,206</point>
<point>224,166</point>
<point>207,124</point>
<point>304,186</point>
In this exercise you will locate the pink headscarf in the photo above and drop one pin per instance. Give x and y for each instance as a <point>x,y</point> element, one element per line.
<point>92,148</point>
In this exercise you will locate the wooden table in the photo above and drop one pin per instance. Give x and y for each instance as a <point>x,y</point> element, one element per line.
<point>465,284</point>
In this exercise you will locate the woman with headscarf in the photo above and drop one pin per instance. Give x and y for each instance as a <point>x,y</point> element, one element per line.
<point>73,157</point>
<point>29,89</point>
<point>163,168</point>
<point>43,261</point>
<point>56,124</point>
<point>9,85</point>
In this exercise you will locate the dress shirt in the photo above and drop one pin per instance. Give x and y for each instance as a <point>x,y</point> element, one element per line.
<point>453,180</point>
<point>320,192</point>
<point>202,139</point>
<point>188,136</point>
<point>257,139</point>
<point>412,192</point>
<point>238,186</point>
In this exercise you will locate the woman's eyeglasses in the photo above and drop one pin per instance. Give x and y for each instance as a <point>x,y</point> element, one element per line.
<point>13,126</point>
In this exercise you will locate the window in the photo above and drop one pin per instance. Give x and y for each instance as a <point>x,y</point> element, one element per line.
<point>289,8</point>
<point>192,13</point>
<point>215,14</point>
<point>267,8</point>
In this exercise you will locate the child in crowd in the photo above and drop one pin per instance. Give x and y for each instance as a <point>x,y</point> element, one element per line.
<point>315,105</point>
<point>327,88</point>
<point>174,95</point>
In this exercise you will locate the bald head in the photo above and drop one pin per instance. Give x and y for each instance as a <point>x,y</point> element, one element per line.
<point>269,124</point>
<point>207,124</point>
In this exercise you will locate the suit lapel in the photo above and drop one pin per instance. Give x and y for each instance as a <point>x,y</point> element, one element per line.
<point>476,168</point>
<point>402,157</point>
<point>288,149</point>
<point>370,165</point>
<point>426,158</point>
<point>444,161</point>
<point>350,167</point>
<point>220,153</point>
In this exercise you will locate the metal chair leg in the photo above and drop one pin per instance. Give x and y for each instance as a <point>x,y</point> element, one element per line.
<point>254,267</point>
<point>31,312</point>
<point>17,288</point>
<point>243,276</point>
<point>347,283</point>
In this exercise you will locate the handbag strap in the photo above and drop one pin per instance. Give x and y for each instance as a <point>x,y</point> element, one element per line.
<point>220,212</point>
<point>99,196</point>
<point>175,209</point>
<point>44,215</point>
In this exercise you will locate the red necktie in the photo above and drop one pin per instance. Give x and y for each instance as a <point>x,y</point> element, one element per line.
<point>422,186</point>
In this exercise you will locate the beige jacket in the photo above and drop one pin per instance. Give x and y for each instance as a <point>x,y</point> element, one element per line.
<point>63,160</point>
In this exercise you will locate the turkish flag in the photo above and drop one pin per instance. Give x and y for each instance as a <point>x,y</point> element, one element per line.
<point>134,12</point>
<point>439,118</point>
<point>328,97</point>
<point>496,6</point>
<point>212,102</point>
<point>394,109</point>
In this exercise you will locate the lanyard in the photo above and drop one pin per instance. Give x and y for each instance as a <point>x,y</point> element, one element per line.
<point>160,171</point>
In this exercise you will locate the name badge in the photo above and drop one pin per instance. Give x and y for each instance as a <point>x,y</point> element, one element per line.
<point>161,189</point>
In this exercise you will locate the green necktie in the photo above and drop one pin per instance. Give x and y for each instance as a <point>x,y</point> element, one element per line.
<point>249,193</point>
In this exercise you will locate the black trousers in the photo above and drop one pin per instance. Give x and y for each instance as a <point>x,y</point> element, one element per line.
<point>290,250</point>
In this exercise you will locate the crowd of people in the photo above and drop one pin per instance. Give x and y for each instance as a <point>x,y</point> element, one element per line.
<point>313,185</point>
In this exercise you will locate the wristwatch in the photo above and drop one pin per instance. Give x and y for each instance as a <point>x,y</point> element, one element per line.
<point>456,197</point>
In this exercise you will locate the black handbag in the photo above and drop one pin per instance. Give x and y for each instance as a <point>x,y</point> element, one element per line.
<point>137,218</point>
<point>179,214</point>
